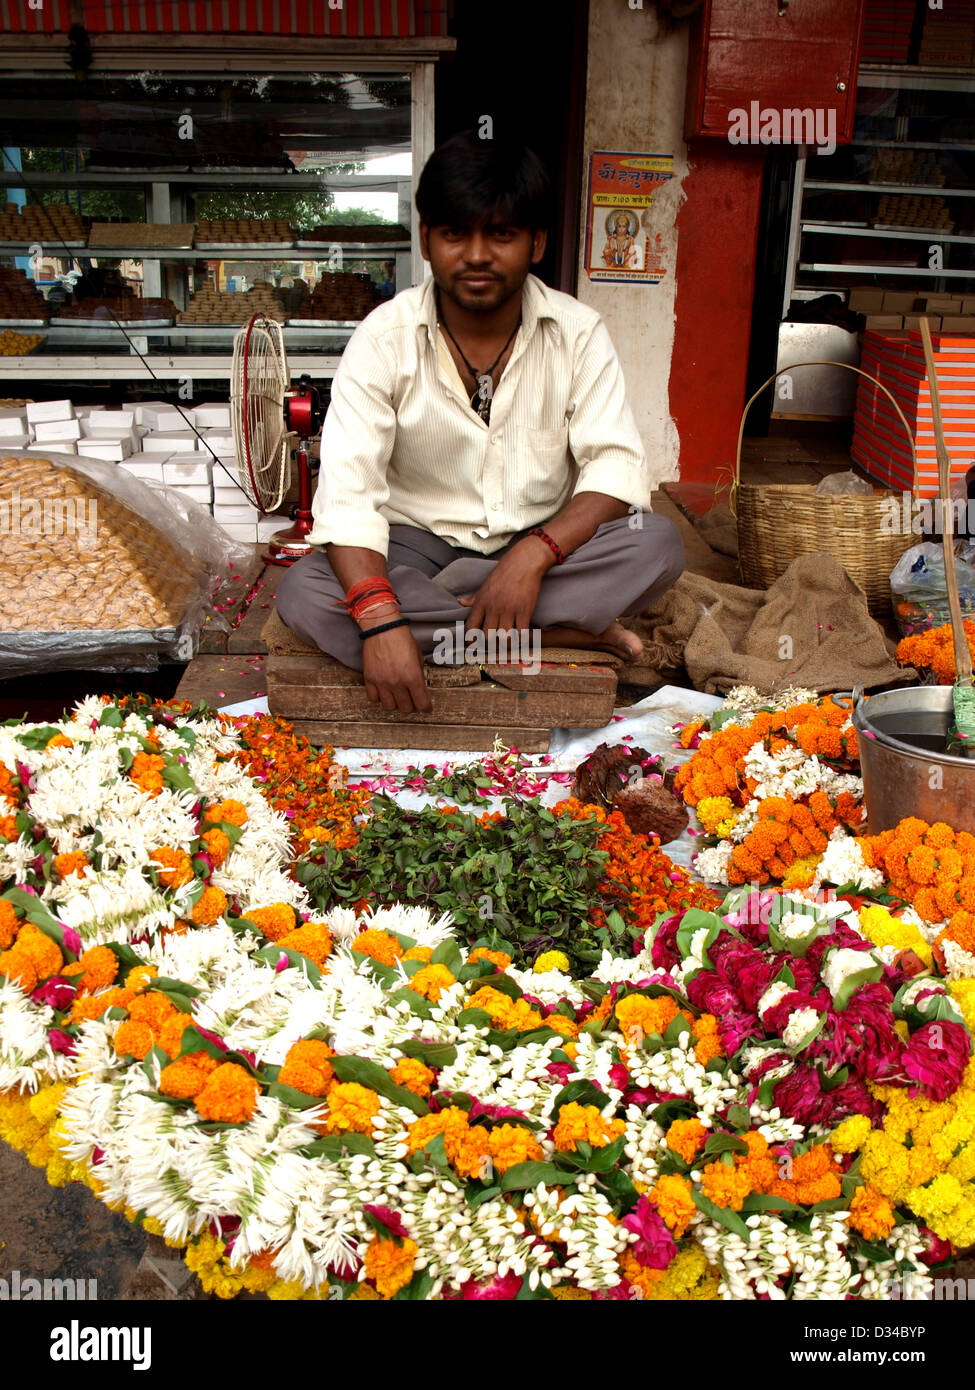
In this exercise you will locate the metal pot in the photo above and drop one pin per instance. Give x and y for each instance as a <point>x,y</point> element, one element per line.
<point>902,735</point>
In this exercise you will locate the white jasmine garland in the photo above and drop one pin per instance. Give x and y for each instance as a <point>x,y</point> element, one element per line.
<point>842,962</point>
<point>800,1025</point>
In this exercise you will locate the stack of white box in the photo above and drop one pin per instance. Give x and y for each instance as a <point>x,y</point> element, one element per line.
<point>154,442</point>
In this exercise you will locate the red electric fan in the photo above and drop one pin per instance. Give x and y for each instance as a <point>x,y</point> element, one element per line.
<point>272,418</point>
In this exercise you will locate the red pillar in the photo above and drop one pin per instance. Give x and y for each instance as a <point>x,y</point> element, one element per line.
<point>717,227</point>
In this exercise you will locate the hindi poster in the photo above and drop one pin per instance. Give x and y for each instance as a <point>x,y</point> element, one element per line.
<point>623,241</point>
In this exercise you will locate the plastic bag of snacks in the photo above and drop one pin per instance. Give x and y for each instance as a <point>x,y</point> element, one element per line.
<point>98,570</point>
<point>918,592</point>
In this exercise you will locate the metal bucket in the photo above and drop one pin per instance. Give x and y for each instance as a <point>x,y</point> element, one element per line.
<point>902,734</point>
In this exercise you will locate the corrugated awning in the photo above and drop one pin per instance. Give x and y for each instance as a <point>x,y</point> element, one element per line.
<point>269,18</point>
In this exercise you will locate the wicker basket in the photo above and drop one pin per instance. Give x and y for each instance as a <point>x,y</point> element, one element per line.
<point>779,521</point>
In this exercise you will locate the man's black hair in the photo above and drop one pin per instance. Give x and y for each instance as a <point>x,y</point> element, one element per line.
<point>468,180</point>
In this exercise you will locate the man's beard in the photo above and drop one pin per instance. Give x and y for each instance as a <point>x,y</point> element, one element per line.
<point>486,301</point>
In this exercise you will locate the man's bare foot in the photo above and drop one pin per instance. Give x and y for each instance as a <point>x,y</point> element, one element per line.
<point>616,639</point>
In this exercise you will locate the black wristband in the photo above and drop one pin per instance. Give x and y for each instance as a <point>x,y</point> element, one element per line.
<point>383,627</point>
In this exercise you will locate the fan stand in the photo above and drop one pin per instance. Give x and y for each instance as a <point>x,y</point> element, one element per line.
<point>285,547</point>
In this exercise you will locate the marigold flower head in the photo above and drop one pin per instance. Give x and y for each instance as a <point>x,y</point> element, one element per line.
<point>379,945</point>
<point>499,958</point>
<point>96,969</point>
<point>174,867</point>
<point>512,1144</point>
<point>686,1137</point>
<point>420,953</point>
<point>146,772</point>
<point>671,1194</point>
<point>185,1078</point>
<point>8,827</point>
<point>216,843</point>
<point>233,812</point>
<point>133,1039</point>
<point>726,1185</point>
<point>467,1149</point>
<point>871,1213</point>
<point>307,1067</point>
<point>583,1123</point>
<point>170,1035</point>
<point>313,940</point>
<point>153,1009</point>
<point>274,921</point>
<point>209,906</point>
<point>10,924</point>
<point>351,1107</point>
<point>72,862</point>
<point>388,1264</point>
<point>431,981</point>
<point>33,957</point>
<point>415,1075</point>
<point>850,1135</point>
<point>551,960</point>
<point>230,1094</point>
<point>637,1015</point>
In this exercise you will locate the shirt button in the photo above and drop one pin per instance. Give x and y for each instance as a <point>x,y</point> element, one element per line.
<point>495,439</point>
<point>495,506</point>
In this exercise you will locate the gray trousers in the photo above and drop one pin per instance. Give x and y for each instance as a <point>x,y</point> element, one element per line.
<point>620,571</point>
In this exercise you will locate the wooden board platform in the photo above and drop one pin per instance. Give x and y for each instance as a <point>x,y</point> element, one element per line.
<point>365,734</point>
<point>304,687</point>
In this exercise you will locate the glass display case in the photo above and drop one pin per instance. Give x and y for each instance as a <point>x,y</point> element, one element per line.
<point>147,219</point>
<point>896,207</point>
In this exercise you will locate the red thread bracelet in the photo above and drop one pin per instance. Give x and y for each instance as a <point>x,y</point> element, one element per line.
<point>552,545</point>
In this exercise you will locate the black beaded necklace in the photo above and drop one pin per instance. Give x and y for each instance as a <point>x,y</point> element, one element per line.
<point>484,391</point>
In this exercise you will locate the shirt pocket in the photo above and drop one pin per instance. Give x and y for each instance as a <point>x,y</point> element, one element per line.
<point>542,465</point>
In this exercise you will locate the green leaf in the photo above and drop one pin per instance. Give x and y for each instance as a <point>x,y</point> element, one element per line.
<point>273,953</point>
<point>112,718</point>
<point>478,1018</point>
<point>723,1215</point>
<point>37,739</point>
<point>868,975</point>
<point>477,1196</point>
<point>434,1054</point>
<point>296,1099</point>
<point>154,1055</point>
<point>739,1116</point>
<point>448,954</point>
<point>582,1092</point>
<point>758,1201</point>
<point>376,1078</point>
<point>525,1175</point>
<point>177,777</point>
<point>675,1028</point>
<point>722,1144</point>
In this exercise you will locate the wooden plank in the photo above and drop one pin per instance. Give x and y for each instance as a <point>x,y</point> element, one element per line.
<point>246,636</point>
<point>595,680</point>
<point>213,638</point>
<point>294,668</point>
<point>483,704</point>
<point>472,739</point>
<point>222,679</point>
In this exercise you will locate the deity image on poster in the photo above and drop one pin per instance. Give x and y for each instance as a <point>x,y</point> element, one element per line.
<point>622,247</point>
<point>626,237</point>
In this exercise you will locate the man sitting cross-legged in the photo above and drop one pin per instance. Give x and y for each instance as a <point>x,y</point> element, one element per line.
<point>479,461</point>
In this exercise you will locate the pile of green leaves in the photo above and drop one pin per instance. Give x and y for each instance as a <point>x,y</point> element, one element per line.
<point>529,880</point>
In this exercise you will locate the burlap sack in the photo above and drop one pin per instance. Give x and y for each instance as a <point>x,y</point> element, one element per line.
<point>811,629</point>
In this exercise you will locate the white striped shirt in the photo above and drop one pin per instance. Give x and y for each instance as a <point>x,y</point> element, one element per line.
<point>401,444</point>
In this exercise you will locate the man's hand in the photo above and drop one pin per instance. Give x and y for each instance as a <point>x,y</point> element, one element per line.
<point>392,668</point>
<point>508,596</point>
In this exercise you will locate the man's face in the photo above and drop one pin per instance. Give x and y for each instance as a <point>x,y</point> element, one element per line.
<point>481,267</point>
